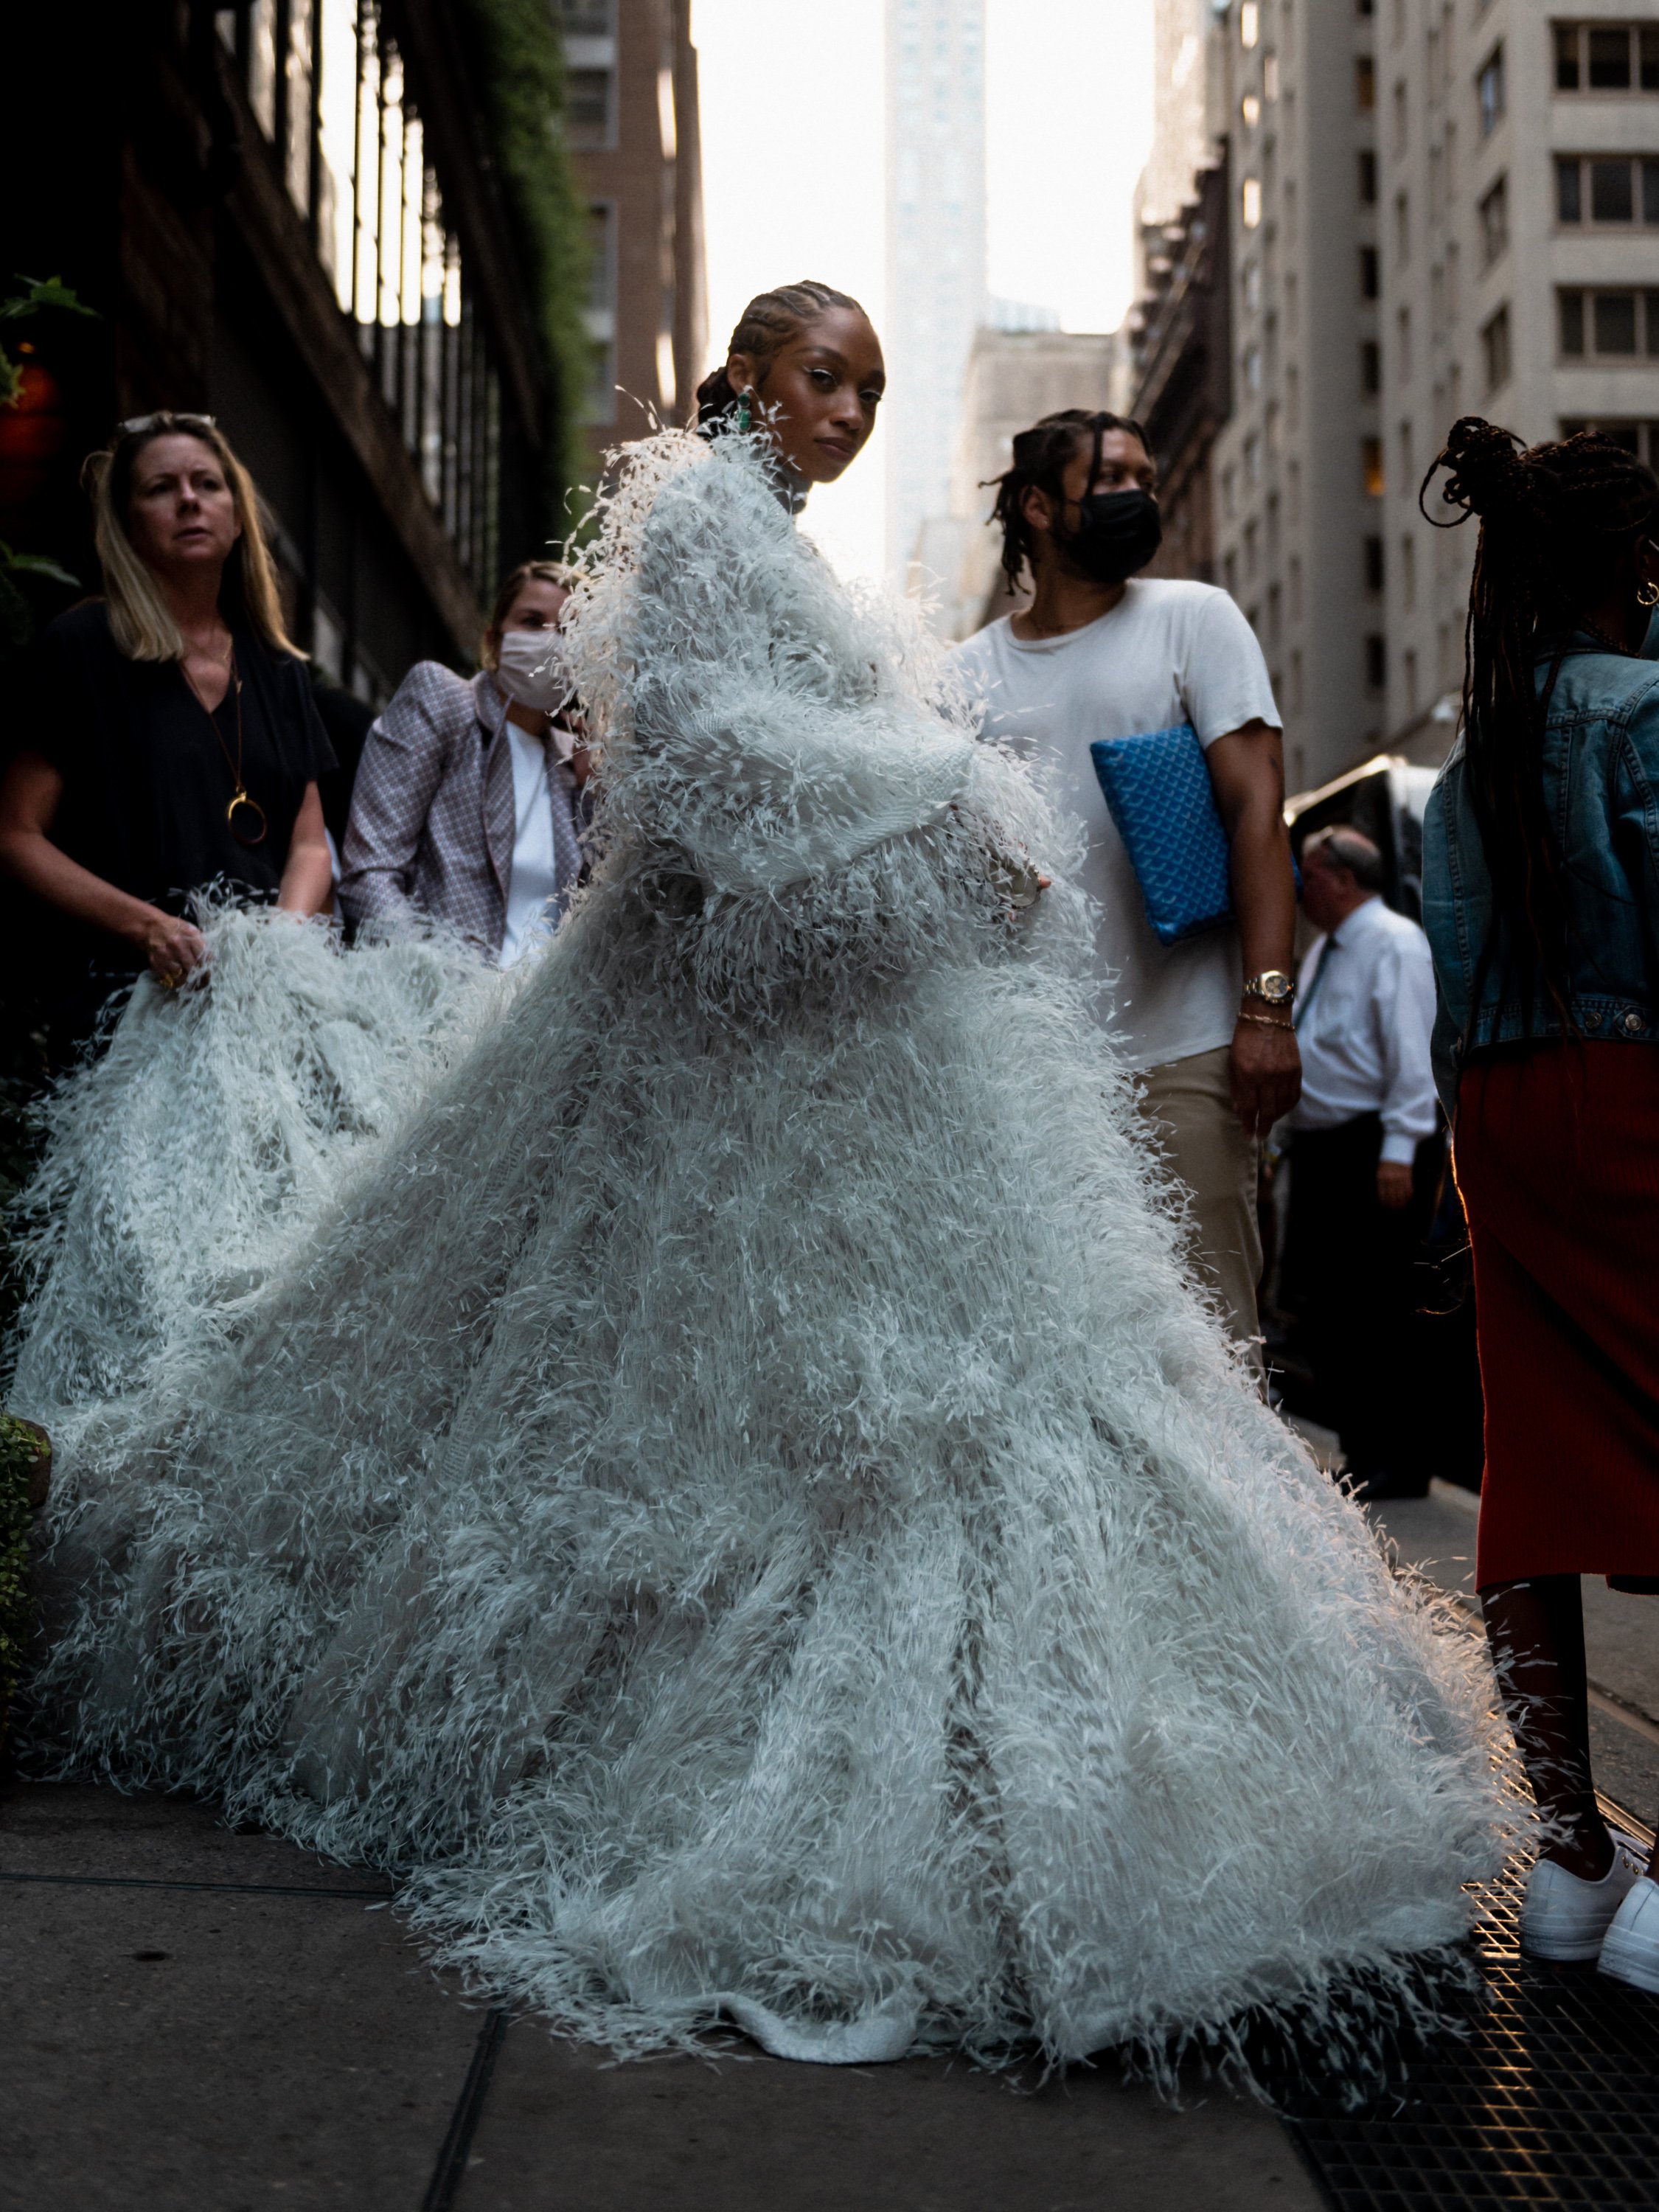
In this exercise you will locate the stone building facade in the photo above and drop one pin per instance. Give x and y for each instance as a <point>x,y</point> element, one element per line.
<point>1435,207</point>
<point>1520,213</point>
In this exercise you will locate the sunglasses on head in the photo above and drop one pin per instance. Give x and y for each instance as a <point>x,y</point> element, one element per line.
<point>165,417</point>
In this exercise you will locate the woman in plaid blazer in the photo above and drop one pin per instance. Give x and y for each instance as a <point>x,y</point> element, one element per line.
<point>468,804</point>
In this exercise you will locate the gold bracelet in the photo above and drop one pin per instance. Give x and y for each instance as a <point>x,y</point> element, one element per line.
<point>1266,1021</point>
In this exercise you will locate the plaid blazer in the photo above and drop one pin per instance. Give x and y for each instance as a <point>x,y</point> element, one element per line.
<point>432,810</point>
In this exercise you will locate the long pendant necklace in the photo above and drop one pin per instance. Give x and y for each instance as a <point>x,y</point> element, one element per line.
<point>249,828</point>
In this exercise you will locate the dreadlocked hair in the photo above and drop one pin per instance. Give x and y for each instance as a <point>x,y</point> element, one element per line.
<point>1041,457</point>
<point>764,328</point>
<point>1559,524</point>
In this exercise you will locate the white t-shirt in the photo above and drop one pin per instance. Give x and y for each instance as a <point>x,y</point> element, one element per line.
<point>1170,652</point>
<point>533,883</point>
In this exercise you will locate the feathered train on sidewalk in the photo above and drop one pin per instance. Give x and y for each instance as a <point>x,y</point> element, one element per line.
<point>181,1162</point>
<point>739,1498</point>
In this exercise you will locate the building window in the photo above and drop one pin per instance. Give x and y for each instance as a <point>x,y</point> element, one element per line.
<point>589,29</point>
<point>1408,472</point>
<point>1250,108</point>
<point>1408,572</point>
<point>328,86</point>
<point>1370,367</point>
<point>1403,327</point>
<point>1373,564</point>
<point>1640,438</point>
<point>1495,223</point>
<point>1402,228</point>
<point>1490,92</point>
<point>1252,368</point>
<point>1250,23</point>
<point>1622,191</point>
<point>1608,326</point>
<point>1250,202</point>
<point>1252,285</point>
<point>1399,119</point>
<point>1369,284</point>
<point>1606,57</point>
<point>1367,178</point>
<point>1370,466</point>
<point>1376,663</point>
<point>1495,350</point>
<point>600,313</point>
<point>1364,84</point>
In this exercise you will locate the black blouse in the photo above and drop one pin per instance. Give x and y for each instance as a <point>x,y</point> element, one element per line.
<point>147,782</point>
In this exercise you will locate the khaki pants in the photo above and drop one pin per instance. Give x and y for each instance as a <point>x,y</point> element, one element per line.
<point>1190,1102</point>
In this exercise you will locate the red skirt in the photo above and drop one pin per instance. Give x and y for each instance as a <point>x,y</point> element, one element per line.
<point>1556,1159</point>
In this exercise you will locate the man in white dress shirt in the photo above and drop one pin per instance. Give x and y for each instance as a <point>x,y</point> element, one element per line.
<point>1365,1156</point>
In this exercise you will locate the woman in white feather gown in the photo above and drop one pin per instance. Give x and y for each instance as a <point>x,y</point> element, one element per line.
<point>741,1501</point>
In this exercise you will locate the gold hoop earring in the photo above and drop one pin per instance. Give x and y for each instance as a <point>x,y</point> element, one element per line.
<point>1647,595</point>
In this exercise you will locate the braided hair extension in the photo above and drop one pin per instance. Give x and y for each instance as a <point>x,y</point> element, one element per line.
<point>1558,525</point>
<point>1041,457</point>
<point>764,328</point>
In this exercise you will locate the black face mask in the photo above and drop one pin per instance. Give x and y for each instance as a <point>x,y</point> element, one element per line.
<point>1117,533</point>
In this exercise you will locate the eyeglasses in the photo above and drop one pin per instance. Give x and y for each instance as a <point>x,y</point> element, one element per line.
<point>136,425</point>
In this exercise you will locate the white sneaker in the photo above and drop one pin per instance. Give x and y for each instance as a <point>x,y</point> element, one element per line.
<point>1566,1917</point>
<point>1631,1950</point>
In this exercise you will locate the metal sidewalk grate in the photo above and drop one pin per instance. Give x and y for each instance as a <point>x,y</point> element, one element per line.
<point>1553,2099</point>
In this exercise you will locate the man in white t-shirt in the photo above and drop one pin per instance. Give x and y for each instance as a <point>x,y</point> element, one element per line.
<point>1101,653</point>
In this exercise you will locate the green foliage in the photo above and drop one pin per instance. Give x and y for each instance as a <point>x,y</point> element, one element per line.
<point>38,292</point>
<point>521,81</point>
<point>25,1459</point>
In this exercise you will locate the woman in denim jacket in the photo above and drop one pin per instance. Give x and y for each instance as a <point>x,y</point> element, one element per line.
<point>1540,901</point>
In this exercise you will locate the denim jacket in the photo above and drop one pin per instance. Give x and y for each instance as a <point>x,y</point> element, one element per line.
<point>1601,785</point>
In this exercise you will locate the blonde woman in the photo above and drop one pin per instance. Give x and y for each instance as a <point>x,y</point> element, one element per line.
<point>171,742</point>
<point>468,803</point>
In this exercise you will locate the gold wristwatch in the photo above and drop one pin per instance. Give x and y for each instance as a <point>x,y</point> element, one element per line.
<point>1272,987</point>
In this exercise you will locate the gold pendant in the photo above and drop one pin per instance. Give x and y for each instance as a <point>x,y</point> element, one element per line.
<point>243,833</point>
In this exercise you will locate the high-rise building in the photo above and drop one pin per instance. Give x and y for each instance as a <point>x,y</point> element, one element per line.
<point>1519,211</point>
<point>1434,207</point>
<point>631,117</point>
<point>1298,467</point>
<point>935,249</point>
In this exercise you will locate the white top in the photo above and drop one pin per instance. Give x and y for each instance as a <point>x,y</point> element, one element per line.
<point>533,883</point>
<point>1365,1010</point>
<point>1170,652</point>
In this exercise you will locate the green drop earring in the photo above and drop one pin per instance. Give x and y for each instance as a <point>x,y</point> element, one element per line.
<point>743,411</point>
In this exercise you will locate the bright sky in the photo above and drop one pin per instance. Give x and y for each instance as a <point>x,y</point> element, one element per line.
<point>793,134</point>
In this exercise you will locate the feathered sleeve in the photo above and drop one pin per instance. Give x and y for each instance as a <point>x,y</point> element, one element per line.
<point>753,716</point>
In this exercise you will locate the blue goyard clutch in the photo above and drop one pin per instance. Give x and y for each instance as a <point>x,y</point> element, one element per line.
<point>1158,790</point>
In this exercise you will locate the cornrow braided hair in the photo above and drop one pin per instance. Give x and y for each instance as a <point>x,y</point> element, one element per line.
<point>1559,524</point>
<point>1041,457</point>
<point>764,328</point>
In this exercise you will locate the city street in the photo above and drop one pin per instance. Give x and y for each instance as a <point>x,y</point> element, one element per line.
<point>199,2018</point>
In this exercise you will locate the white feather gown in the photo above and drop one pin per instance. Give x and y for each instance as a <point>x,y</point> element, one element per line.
<point>739,1499</point>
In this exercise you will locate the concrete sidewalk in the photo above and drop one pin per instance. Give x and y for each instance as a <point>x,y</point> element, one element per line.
<point>196,2020</point>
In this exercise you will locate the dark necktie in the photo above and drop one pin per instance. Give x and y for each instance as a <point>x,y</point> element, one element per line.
<point>1300,1015</point>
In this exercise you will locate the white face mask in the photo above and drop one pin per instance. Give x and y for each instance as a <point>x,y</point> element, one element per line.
<point>531,667</point>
